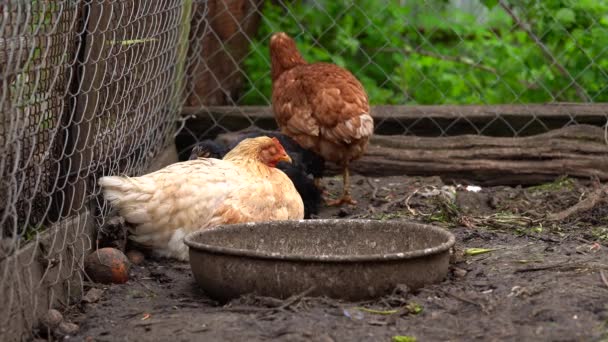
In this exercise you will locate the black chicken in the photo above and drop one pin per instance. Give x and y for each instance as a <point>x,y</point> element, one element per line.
<point>304,163</point>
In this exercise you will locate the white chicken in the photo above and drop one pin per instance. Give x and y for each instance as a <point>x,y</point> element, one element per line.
<point>245,186</point>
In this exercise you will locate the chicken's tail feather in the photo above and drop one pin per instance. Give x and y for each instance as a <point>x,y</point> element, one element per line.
<point>129,196</point>
<point>116,187</point>
<point>139,202</point>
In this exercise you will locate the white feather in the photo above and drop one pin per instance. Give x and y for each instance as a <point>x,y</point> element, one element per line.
<point>165,205</point>
<point>367,126</point>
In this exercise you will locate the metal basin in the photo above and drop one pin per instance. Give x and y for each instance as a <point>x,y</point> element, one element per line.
<point>345,259</point>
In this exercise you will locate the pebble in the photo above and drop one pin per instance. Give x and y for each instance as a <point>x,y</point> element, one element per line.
<point>92,296</point>
<point>459,272</point>
<point>51,319</point>
<point>135,257</point>
<point>67,328</point>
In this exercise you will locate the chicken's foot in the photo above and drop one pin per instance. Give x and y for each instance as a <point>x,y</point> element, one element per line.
<point>346,198</point>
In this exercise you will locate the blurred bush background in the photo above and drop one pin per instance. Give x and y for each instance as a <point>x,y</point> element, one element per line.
<point>446,52</point>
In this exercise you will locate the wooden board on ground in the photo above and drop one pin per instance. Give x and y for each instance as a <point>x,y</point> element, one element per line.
<point>576,151</point>
<point>496,120</point>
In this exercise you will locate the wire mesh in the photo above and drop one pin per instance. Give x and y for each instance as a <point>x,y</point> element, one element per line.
<point>415,53</point>
<point>88,88</point>
<point>94,87</point>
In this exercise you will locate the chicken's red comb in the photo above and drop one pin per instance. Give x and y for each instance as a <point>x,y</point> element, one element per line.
<point>277,143</point>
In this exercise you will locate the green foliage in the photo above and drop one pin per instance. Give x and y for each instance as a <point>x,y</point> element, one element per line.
<point>562,183</point>
<point>445,52</point>
<point>600,233</point>
<point>403,338</point>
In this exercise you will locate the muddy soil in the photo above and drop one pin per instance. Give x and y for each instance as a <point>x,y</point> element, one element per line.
<point>542,281</point>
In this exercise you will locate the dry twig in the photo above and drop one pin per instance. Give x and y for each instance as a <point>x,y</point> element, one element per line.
<point>466,300</point>
<point>284,304</point>
<point>588,203</point>
<point>294,299</point>
<point>373,186</point>
<point>562,264</point>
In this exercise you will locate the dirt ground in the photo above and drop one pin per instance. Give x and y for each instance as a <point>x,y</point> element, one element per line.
<point>542,281</point>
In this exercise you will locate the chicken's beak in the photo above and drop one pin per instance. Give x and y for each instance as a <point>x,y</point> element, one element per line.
<point>285,158</point>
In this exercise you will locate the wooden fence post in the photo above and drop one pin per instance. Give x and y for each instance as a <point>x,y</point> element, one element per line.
<point>91,71</point>
<point>182,54</point>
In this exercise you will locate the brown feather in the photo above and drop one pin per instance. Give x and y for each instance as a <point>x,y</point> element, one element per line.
<point>321,106</point>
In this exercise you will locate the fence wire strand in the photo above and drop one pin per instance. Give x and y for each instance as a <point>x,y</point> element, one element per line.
<point>96,87</point>
<point>88,88</point>
<point>436,52</point>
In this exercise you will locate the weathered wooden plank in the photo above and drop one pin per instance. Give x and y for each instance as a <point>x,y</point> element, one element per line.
<point>219,42</point>
<point>576,151</point>
<point>495,120</point>
<point>82,129</point>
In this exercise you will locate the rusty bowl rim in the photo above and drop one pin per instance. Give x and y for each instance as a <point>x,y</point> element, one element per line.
<point>214,249</point>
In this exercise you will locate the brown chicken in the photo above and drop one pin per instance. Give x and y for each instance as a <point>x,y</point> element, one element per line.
<point>245,186</point>
<point>322,106</point>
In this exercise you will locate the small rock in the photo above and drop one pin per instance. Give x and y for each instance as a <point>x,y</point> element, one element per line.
<point>343,212</point>
<point>459,272</point>
<point>517,291</point>
<point>67,328</point>
<point>401,290</point>
<point>457,256</point>
<point>51,319</point>
<point>92,296</point>
<point>136,257</point>
<point>107,265</point>
<point>473,203</point>
<point>325,338</point>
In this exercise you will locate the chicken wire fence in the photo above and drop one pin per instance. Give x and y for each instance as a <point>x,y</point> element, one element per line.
<point>94,87</point>
<point>432,52</point>
<point>88,88</point>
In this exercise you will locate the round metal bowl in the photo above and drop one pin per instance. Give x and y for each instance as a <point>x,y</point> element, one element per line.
<point>346,259</point>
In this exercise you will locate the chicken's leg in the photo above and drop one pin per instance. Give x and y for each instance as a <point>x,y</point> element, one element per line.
<point>346,198</point>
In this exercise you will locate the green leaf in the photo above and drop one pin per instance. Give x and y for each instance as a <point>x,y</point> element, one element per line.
<point>403,338</point>
<point>565,16</point>
<point>377,312</point>
<point>477,251</point>
<point>414,308</point>
<point>371,43</point>
<point>489,3</point>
